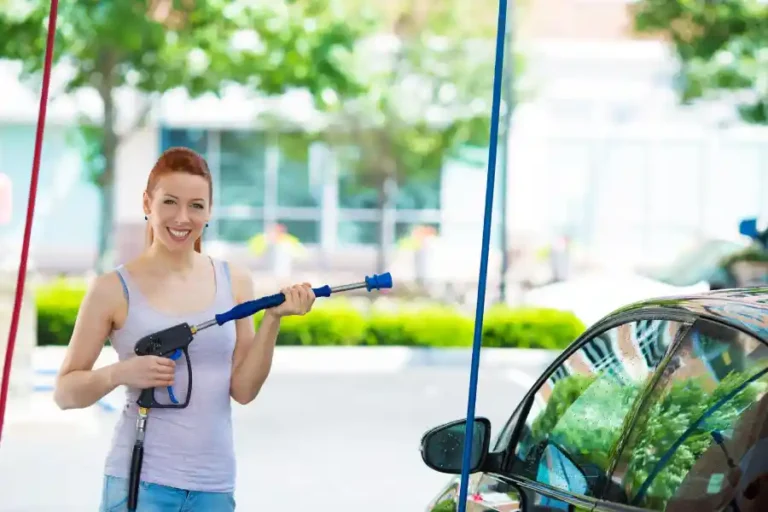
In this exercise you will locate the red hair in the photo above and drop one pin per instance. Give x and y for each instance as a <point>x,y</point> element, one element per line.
<point>184,160</point>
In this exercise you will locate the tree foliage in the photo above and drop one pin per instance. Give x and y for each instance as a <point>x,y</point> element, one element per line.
<point>154,46</point>
<point>429,77</point>
<point>722,46</point>
<point>159,45</point>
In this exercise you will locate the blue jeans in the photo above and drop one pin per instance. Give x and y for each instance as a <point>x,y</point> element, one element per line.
<point>160,498</point>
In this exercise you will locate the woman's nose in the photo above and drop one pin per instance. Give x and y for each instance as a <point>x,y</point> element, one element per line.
<point>181,217</point>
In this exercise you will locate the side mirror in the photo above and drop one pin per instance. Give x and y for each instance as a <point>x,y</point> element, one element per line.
<point>442,448</point>
<point>748,227</point>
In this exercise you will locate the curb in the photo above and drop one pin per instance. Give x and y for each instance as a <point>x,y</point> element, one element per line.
<point>46,360</point>
<point>333,360</point>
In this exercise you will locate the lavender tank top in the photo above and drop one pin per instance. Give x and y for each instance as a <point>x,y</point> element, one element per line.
<point>190,448</point>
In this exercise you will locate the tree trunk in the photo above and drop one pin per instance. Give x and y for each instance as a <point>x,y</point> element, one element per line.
<point>104,261</point>
<point>106,181</point>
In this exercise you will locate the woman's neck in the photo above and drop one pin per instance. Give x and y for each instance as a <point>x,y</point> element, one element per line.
<point>180,262</point>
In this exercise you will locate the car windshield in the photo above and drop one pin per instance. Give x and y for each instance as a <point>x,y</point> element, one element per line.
<point>695,265</point>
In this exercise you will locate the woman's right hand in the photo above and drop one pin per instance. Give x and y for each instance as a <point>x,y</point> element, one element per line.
<point>144,372</point>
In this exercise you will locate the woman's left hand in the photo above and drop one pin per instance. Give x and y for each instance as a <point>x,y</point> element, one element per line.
<point>298,301</point>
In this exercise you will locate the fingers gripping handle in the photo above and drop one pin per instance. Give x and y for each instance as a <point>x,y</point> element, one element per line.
<point>147,396</point>
<point>252,307</point>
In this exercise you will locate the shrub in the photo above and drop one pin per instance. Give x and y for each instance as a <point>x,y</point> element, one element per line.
<point>333,322</point>
<point>337,322</point>
<point>433,326</point>
<point>57,304</point>
<point>530,328</point>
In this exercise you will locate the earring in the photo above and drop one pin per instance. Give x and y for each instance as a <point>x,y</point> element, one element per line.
<point>145,218</point>
<point>206,224</point>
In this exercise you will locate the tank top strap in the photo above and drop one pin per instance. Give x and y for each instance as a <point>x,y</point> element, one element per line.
<point>129,290</point>
<point>223,280</point>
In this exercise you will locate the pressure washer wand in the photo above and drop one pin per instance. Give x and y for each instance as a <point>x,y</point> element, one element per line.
<point>249,308</point>
<point>173,342</point>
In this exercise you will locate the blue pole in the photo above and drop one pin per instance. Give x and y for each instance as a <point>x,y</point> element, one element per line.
<point>478,335</point>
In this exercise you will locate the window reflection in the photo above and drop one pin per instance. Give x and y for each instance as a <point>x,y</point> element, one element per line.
<point>698,441</point>
<point>239,230</point>
<point>359,232</point>
<point>419,194</point>
<point>581,409</point>
<point>242,168</point>
<point>295,184</point>
<point>197,140</point>
<point>355,188</point>
<point>307,231</point>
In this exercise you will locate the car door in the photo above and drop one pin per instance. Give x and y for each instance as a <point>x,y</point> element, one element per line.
<point>572,423</point>
<point>700,440</point>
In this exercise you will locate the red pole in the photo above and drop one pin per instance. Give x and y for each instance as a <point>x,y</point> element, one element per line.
<point>30,211</point>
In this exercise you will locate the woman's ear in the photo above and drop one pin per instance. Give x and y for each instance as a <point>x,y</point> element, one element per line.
<point>146,200</point>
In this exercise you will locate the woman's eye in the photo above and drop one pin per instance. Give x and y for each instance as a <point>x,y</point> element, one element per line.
<point>198,206</point>
<point>168,201</point>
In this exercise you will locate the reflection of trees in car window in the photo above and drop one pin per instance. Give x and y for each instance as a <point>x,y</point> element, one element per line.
<point>584,413</point>
<point>720,374</point>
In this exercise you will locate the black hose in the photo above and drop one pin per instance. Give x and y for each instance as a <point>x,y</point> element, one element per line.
<point>135,476</point>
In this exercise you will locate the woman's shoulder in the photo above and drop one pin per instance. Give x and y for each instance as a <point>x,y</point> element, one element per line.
<point>240,277</point>
<point>235,271</point>
<point>107,288</point>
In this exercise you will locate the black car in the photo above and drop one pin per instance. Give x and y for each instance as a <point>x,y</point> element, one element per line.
<point>660,406</point>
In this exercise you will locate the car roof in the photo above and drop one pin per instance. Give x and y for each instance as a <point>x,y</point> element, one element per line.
<point>744,308</point>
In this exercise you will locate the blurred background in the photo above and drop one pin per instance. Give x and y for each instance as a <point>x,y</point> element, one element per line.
<point>349,137</point>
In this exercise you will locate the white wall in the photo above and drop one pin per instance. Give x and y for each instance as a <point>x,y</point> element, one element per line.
<point>136,157</point>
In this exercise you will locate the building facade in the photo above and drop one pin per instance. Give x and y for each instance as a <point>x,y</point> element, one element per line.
<point>600,151</point>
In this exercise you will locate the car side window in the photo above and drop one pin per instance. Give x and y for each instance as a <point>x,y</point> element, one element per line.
<point>570,434</point>
<point>701,438</point>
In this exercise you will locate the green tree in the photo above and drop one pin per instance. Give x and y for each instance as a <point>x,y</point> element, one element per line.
<point>722,46</point>
<point>429,93</point>
<point>155,46</point>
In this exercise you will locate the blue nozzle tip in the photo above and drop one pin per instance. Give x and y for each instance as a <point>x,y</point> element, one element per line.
<point>378,281</point>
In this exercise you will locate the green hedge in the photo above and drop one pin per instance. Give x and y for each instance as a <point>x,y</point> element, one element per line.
<point>337,322</point>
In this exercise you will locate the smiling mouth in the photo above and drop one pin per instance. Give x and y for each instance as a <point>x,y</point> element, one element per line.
<point>179,235</point>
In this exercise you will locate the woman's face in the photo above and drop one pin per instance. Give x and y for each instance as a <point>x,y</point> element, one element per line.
<point>178,210</point>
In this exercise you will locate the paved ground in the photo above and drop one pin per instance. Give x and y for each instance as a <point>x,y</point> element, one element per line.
<point>332,443</point>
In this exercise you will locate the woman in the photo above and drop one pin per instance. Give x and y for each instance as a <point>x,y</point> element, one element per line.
<point>189,461</point>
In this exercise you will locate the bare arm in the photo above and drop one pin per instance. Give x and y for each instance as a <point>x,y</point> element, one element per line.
<point>77,384</point>
<point>252,358</point>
